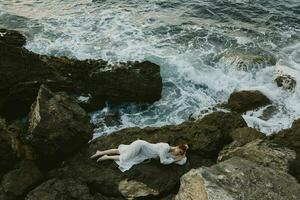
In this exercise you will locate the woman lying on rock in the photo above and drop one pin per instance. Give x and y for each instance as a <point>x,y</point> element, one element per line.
<point>128,155</point>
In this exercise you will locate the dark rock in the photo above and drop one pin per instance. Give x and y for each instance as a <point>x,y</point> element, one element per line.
<point>235,179</point>
<point>58,127</point>
<point>269,112</point>
<point>296,123</point>
<point>263,153</point>
<point>99,196</point>
<point>11,37</point>
<point>242,101</point>
<point>206,137</point>
<point>18,182</point>
<point>128,82</point>
<point>287,82</point>
<point>60,189</point>
<point>290,138</point>
<point>5,196</point>
<point>8,157</point>
<point>22,72</point>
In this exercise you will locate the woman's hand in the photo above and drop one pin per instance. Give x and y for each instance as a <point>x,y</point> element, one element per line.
<point>178,158</point>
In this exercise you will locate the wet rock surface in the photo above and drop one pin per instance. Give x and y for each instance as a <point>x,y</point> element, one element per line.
<point>22,72</point>
<point>285,81</point>
<point>243,101</point>
<point>269,112</point>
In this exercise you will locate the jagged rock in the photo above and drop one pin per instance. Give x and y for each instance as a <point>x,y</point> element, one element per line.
<point>8,158</point>
<point>262,153</point>
<point>54,189</point>
<point>249,61</point>
<point>22,73</point>
<point>235,179</point>
<point>290,138</point>
<point>18,182</point>
<point>206,137</point>
<point>242,101</point>
<point>58,127</point>
<point>287,82</point>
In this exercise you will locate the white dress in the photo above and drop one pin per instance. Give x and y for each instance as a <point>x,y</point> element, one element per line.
<point>140,150</point>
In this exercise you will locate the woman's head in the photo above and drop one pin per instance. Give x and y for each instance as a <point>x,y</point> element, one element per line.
<point>180,150</point>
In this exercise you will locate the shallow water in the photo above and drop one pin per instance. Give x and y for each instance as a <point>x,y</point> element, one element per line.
<point>186,38</point>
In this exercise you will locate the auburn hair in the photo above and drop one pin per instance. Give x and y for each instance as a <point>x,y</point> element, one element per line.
<point>182,147</point>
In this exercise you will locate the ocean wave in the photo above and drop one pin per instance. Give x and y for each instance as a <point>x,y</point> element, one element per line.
<point>187,39</point>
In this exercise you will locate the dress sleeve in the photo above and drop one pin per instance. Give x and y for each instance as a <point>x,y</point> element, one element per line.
<point>164,155</point>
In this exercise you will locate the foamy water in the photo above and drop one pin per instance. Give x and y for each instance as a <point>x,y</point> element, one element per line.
<point>186,38</point>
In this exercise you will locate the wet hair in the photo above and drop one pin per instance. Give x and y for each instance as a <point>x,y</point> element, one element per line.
<point>182,147</point>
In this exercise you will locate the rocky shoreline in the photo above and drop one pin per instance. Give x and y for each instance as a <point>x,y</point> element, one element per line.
<point>46,154</point>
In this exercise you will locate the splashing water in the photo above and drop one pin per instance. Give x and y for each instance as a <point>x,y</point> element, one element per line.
<point>187,39</point>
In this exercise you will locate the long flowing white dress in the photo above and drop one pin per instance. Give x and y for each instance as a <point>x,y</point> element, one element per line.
<point>140,150</point>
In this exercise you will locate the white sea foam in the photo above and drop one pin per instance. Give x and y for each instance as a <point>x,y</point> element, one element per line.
<point>182,44</point>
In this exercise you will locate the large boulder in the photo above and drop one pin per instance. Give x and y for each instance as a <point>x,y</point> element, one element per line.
<point>206,137</point>
<point>263,153</point>
<point>8,157</point>
<point>18,182</point>
<point>245,100</point>
<point>236,179</point>
<point>22,72</point>
<point>290,138</point>
<point>58,127</point>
